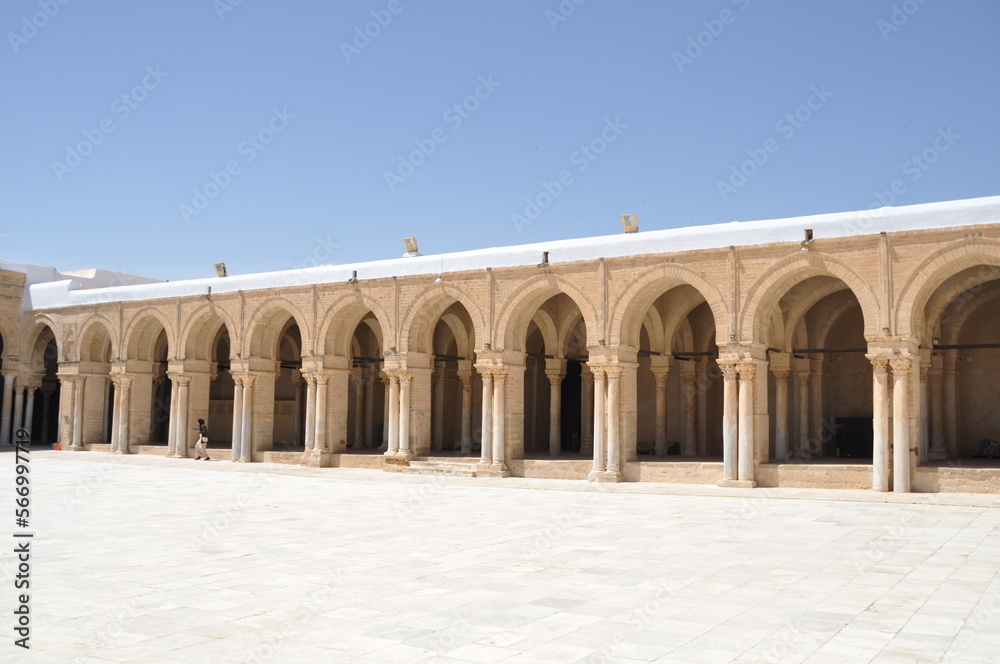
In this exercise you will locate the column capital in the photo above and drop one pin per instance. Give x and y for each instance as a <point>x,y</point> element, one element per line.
<point>748,370</point>
<point>613,371</point>
<point>900,364</point>
<point>661,375</point>
<point>729,371</point>
<point>244,378</point>
<point>555,377</point>
<point>880,363</point>
<point>781,374</point>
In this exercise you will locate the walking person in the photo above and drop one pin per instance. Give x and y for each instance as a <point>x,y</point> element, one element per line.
<point>200,447</point>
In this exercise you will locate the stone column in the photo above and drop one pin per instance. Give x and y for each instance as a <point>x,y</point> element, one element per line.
<point>18,407</point>
<point>384,445</point>
<point>661,376</point>
<point>880,423</point>
<point>701,381</point>
<point>781,414</point>
<point>745,466</point>
<point>900,425</point>
<point>369,437</point>
<point>122,420</point>
<point>237,418</point>
<point>817,413</point>
<point>246,435</point>
<point>437,413</point>
<point>183,434</point>
<point>600,414</point>
<point>109,411</point>
<point>319,432</point>
<point>466,442</point>
<point>310,423</point>
<point>950,404</point>
<point>925,411</point>
<point>47,390</point>
<point>297,433</point>
<point>499,422</point>
<point>359,414</point>
<point>730,422</point>
<point>115,382</point>
<point>555,411</point>
<point>486,451</point>
<point>78,383</point>
<point>172,422</point>
<point>587,410</point>
<point>804,448</point>
<point>393,444</point>
<point>5,407</point>
<point>29,409</point>
<point>937,450</point>
<point>404,415</point>
<point>613,471</point>
<point>67,395</point>
<point>689,443</point>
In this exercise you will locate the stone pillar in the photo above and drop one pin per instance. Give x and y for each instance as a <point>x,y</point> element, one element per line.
<point>319,422</point>
<point>555,411</point>
<point>369,437</point>
<point>357,416</point>
<point>613,472</point>
<point>246,435</point>
<point>702,379</point>
<point>817,413</point>
<point>183,433</point>
<point>437,412</point>
<point>386,404</point>
<point>745,465</point>
<point>900,425</point>
<point>880,423</point>
<point>466,441</point>
<point>110,411</point>
<point>781,414</point>
<point>67,395</point>
<point>689,391</point>
<point>600,415</point>
<point>393,443</point>
<point>587,410</point>
<point>804,448</point>
<point>78,383</point>
<point>18,407</point>
<point>499,423</point>
<point>730,423</point>
<point>29,409</point>
<point>925,410</point>
<point>486,448</point>
<point>310,423</point>
<point>405,377</point>
<point>47,390</point>
<point>172,422</point>
<point>297,433</point>
<point>5,406</point>
<point>122,419</point>
<point>937,451</point>
<point>237,418</point>
<point>115,433</point>
<point>661,375</point>
<point>950,404</point>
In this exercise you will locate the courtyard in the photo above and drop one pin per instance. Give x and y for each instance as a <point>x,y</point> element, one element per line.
<point>154,560</point>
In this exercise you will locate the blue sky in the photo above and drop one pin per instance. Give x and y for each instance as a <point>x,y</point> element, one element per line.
<point>157,138</point>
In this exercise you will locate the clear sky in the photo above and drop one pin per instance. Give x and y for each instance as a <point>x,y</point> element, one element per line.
<point>157,138</point>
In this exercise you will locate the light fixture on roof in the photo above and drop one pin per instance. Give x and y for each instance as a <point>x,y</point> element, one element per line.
<point>630,222</point>
<point>807,241</point>
<point>220,269</point>
<point>439,280</point>
<point>411,247</point>
<point>354,277</point>
<point>545,259</point>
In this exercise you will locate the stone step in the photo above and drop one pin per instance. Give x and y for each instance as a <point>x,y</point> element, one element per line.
<point>454,465</point>
<point>438,470</point>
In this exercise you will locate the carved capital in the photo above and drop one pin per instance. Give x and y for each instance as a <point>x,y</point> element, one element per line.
<point>748,370</point>
<point>729,372</point>
<point>781,374</point>
<point>900,364</point>
<point>880,364</point>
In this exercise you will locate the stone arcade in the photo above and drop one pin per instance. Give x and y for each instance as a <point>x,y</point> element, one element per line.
<point>743,354</point>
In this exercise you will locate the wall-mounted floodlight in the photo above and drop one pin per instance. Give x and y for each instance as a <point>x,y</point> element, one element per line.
<point>411,246</point>
<point>220,269</point>
<point>807,241</point>
<point>439,280</point>
<point>630,222</point>
<point>545,259</point>
<point>354,277</point>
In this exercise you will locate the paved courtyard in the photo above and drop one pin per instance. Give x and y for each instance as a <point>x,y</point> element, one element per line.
<point>145,559</point>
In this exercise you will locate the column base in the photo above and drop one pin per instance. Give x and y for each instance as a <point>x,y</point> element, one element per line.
<point>316,459</point>
<point>604,476</point>
<point>75,448</point>
<point>492,470</point>
<point>936,456</point>
<point>405,455</point>
<point>738,484</point>
<point>244,460</point>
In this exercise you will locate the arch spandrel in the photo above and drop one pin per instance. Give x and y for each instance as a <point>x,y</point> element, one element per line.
<point>780,278</point>
<point>516,313</point>
<point>90,328</point>
<point>921,283</point>
<point>629,309</point>
<point>198,336</point>
<point>416,329</point>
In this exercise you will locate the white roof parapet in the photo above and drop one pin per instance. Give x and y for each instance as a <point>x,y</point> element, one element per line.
<point>747,233</point>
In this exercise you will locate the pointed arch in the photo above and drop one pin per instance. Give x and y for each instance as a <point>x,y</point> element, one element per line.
<point>96,335</point>
<point>343,317</point>
<point>198,337</point>
<point>417,327</point>
<point>140,334</point>
<point>516,313</point>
